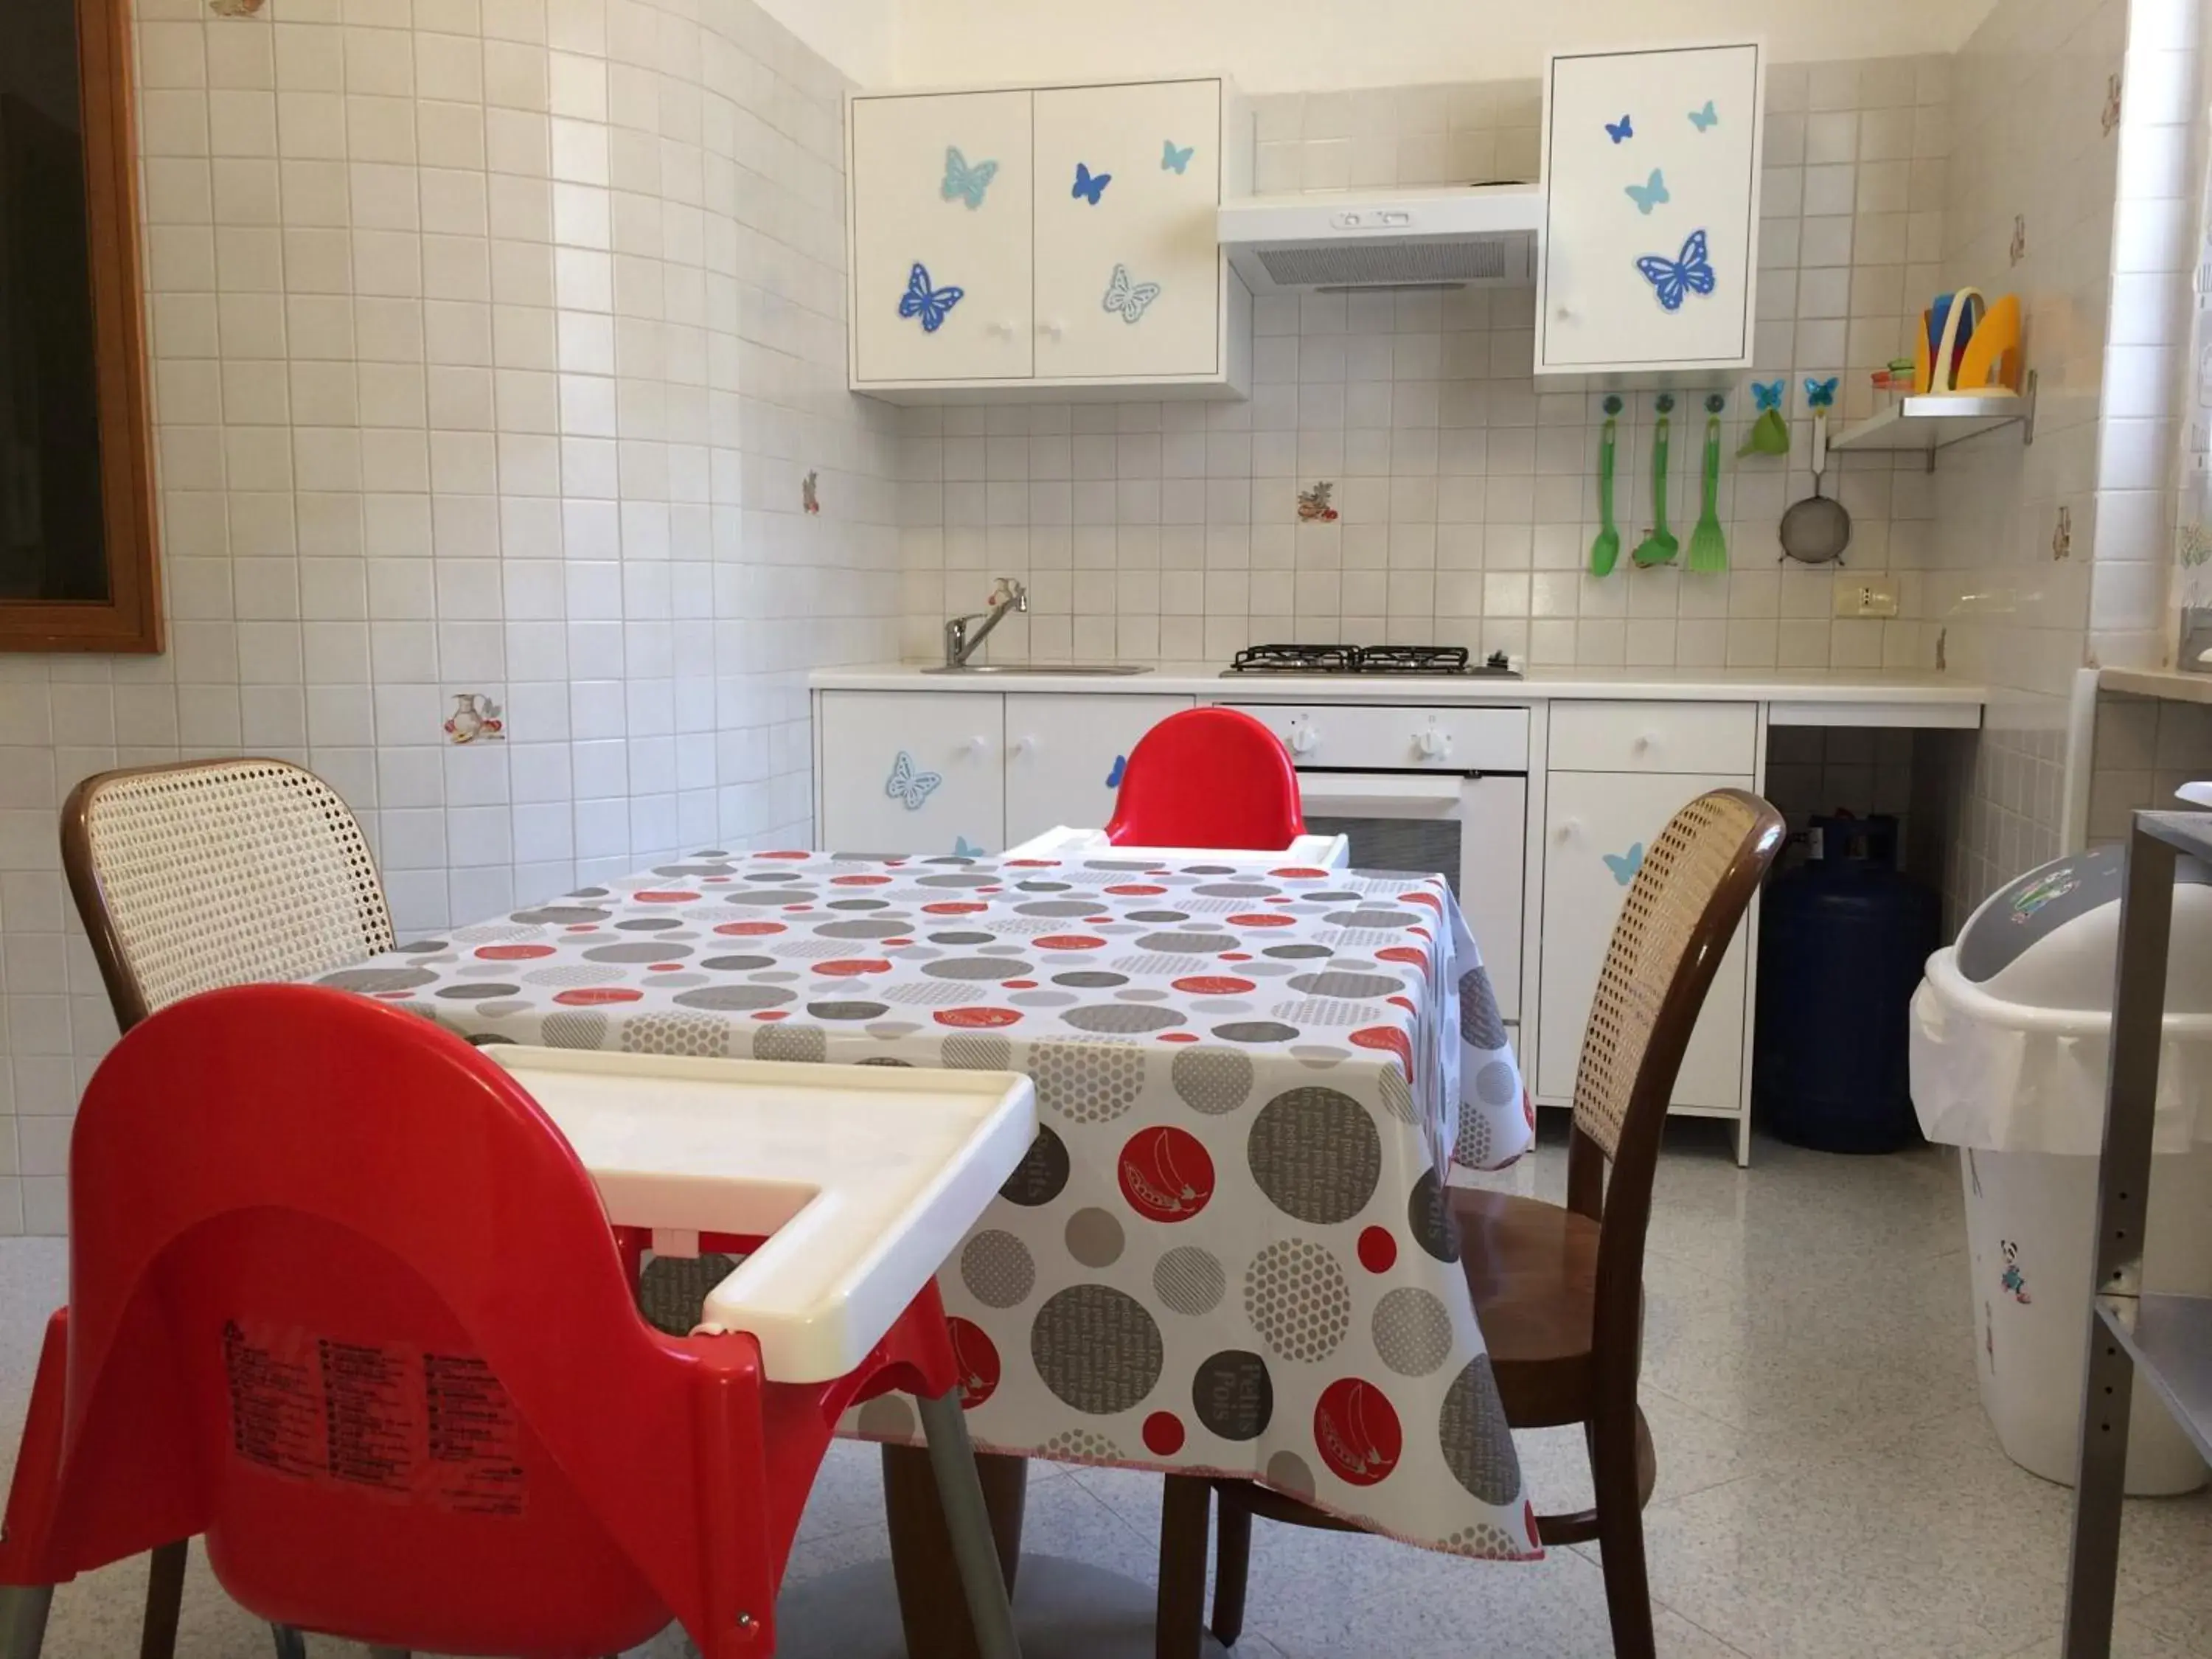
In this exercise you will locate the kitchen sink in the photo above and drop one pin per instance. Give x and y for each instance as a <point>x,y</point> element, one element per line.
<point>1045,668</point>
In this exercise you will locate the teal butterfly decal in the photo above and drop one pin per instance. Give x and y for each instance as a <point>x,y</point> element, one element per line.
<point>964,183</point>
<point>909,784</point>
<point>1673,279</point>
<point>1768,394</point>
<point>1647,197</point>
<point>1706,119</point>
<point>1620,131</point>
<point>1625,866</point>
<point>1174,159</point>
<point>1116,772</point>
<point>1089,186</point>
<point>963,848</point>
<point>1128,298</point>
<point>930,304</point>
<point>1821,394</point>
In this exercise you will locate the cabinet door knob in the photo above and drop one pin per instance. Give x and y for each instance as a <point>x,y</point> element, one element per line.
<point>1055,330</point>
<point>1004,330</point>
<point>1646,742</point>
<point>1025,745</point>
<point>1564,313</point>
<point>978,744</point>
<point>1570,830</point>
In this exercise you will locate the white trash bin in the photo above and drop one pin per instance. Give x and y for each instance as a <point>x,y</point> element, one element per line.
<point>2009,1039</point>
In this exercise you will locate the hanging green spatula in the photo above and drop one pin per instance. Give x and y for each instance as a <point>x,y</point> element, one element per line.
<point>1605,551</point>
<point>1708,546</point>
<point>1660,547</point>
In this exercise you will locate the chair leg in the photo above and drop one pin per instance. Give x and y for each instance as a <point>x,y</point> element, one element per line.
<point>974,1549</point>
<point>388,1653</point>
<point>1186,1506</point>
<point>1615,1477</point>
<point>164,1600</point>
<point>1232,1569</point>
<point>23,1619</point>
<point>290,1644</point>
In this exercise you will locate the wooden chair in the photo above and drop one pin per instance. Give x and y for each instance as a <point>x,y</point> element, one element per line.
<point>1558,1291</point>
<point>203,875</point>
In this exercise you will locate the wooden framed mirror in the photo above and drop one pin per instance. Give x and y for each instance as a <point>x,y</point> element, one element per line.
<point>77,565</point>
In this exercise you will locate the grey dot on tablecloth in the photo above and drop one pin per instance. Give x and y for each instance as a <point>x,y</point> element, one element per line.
<point>1296,1298</point>
<point>1478,1445</point>
<point>1233,1395</point>
<point>873,927</point>
<point>504,1010</point>
<point>1289,1474</point>
<point>958,880</point>
<point>737,964</point>
<point>1081,1446</point>
<point>675,1034</point>
<point>962,936</point>
<point>1157,915</point>
<point>561,916</point>
<point>755,898</point>
<point>1121,1019</point>
<point>885,1060</point>
<point>1097,1349</point>
<point>1429,1218</point>
<point>1484,1542</point>
<point>1398,1095</point>
<point>1497,1084</point>
<point>475,992</point>
<point>1340,982</point>
<point>1481,1025</point>
<point>373,981</point>
<point>1056,908</point>
<point>1255,889</point>
<point>1256,1030</point>
<point>1297,952</point>
<point>1212,1081</point>
<point>843,1011</point>
<point>1086,1082</point>
<point>573,974</point>
<point>693,870</point>
<point>997,1268</point>
<point>790,1042</point>
<point>1094,1237</point>
<point>1189,1280</point>
<point>1412,1331</point>
<point>1316,1155</point>
<point>858,904</point>
<point>1474,1146</point>
<point>1366,918</point>
<point>1090,979</point>
<point>977,968</point>
<point>977,1051</point>
<point>654,952</point>
<point>1315,1056</point>
<point>1188,943</point>
<point>1034,885</point>
<point>735,999</point>
<point>1042,1173</point>
<point>563,1029</point>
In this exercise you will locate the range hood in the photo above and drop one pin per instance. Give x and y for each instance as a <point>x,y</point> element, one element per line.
<point>1461,235</point>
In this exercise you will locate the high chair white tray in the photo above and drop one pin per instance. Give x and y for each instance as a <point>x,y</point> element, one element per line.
<point>1309,852</point>
<point>863,1179</point>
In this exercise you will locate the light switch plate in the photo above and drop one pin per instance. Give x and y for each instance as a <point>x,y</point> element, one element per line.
<point>1865,596</point>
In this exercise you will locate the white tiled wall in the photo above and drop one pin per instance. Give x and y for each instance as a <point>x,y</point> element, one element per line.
<point>1466,492</point>
<point>491,340</point>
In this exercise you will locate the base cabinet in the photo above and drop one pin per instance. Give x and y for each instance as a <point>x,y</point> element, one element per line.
<point>1065,755</point>
<point>903,773</point>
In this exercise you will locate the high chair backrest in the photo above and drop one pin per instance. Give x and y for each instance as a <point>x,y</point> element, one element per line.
<point>1208,777</point>
<point>343,1299</point>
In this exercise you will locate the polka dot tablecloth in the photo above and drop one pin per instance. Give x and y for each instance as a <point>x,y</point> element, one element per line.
<point>1228,1249</point>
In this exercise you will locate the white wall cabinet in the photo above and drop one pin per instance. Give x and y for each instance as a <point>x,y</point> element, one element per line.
<point>1065,755</point>
<point>900,773</point>
<point>1065,287</point>
<point>1650,252</point>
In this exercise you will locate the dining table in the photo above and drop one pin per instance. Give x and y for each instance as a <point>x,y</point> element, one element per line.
<point>1228,1250</point>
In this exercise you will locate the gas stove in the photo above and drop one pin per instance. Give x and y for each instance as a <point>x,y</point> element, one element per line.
<point>1453,660</point>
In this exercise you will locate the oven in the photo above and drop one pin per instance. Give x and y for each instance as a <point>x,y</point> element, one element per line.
<point>1437,790</point>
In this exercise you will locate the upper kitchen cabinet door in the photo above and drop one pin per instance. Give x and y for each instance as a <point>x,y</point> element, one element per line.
<point>1651,244</point>
<point>1065,755</point>
<point>1128,251</point>
<point>912,772</point>
<point>938,191</point>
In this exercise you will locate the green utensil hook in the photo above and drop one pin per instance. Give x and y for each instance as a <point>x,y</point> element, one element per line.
<point>1708,546</point>
<point>1661,546</point>
<point>1605,551</point>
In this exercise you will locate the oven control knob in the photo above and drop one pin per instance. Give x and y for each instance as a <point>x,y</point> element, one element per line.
<point>1303,738</point>
<point>1433,743</point>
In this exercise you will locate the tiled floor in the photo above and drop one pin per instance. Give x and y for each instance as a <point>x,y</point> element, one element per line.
<point>1828,1487</point>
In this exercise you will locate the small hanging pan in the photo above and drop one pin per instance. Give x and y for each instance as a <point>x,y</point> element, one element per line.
<point>1817,529</point>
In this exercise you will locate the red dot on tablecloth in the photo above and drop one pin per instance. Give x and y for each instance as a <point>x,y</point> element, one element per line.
<point>1166,1174</point>
<point>977,1360</point>
<point>581,928</point>
<point>889,943</point>
<point>658,898</point>
<point>1262,918</point>
<point>717,881</point>
<point>1405,953</point>
<point>976,1018</point>
<point>1423,895</point>
<point>1357,1432</point>
<point>1164,1434</point>
<point>1528,1520</point>
<point>1236,955</point>
<point>1407,1003</point>
<point>952,907</point>
<point>783,855</point>
<point>1134,890</point>
<point>1018,984</point>
<point>1387,1036</point>
<point>1528,1107</point>
<point>586,996</point>
<point>1068,942</point>
<point>513,952</point>
<point>798,907</point>
<point>1215,985</point>
<point>665,967</point>
<point>772,1014</point>
<point>1296,873</point>
<point>1178,1036</point>
<point>857,881</point>
<point>1378,1251</point>
<point>846,967</point>
<point>1032,864</point>
<point>751,927</point>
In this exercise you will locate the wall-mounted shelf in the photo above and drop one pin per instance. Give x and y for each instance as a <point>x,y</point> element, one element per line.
<point>1925,424</point>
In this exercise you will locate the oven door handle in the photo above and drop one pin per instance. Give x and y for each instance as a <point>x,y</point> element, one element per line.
<point>1339,794</point>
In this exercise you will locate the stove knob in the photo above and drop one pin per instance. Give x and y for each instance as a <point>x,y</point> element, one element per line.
<point>1433,743</point>
<point>1304,739</point>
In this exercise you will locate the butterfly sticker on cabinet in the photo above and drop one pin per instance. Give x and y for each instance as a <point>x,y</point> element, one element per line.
<point>1625,866</point>
<point>964,849</point>
<point>1649,195</point>
<point>1673,280</point>
<point>965,182</point>
<point>1620,131</point>
<point>1116,772</point>
<point>1089,186</point>
<point>1706,119</point>
<point>1175,158</point>
<point>1130,298</point>
<point>908,784</point>
<point>930,304</point>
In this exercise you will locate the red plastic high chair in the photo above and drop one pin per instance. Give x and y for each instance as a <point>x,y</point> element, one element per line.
<point>1208,777</point>
<point>343,1299</point>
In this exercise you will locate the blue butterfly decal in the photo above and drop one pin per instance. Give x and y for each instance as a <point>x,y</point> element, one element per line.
<point>1625,866</point>
<point>1673,279</point>
<point>1821,394</point>
<point>926,302</point>
<point>907,785</point>
<point>1171,159</point>
<point>1647,197</point>
<point>962,849</point>
<point>1768,394</point>
<point>964,182</point>
<point>1115,773</point>
<point>1620,130</point>
<point>1706,119</point>
<point>1089,185</point>
<point>1128,298</point>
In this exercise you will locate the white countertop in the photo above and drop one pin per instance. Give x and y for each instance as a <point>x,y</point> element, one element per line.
<point>1840,686</point>
<point>2171,683</point>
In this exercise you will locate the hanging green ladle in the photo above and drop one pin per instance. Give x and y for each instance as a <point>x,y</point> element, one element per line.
<point>1605,551</point>
<point>1661,546</point>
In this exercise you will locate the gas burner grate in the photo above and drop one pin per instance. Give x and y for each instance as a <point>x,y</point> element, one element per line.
<point>1412,659</point>
<point>1296,659</point>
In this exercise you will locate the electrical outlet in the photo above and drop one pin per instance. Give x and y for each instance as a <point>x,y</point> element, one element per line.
<point>1865,596</point>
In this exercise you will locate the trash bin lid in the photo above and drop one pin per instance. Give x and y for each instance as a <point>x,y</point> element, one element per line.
<point>2050,938</point>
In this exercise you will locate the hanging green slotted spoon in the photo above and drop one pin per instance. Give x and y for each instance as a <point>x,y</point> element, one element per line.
<point>1708,546</point>
<point>1606,550</point>
<point>1661,546</point>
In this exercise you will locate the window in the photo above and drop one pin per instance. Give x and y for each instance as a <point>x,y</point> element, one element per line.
<point>76,531</point>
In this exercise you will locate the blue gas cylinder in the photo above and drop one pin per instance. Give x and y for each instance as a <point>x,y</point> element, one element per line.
<point>1842,941</point>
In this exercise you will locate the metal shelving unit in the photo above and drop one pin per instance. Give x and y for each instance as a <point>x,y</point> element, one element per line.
<point>1924,424</point>
<point>2168,1338</point>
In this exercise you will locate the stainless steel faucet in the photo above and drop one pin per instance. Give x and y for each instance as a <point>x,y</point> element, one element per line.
<point>960,644</point>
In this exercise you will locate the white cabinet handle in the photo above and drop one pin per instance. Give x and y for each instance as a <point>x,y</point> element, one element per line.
<point>1571,830</point>
<point>1004,331</point>
<point>1565,314</point>
<point>1055,330</point>
<point>1025,745</point>
<point>978,744</point>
